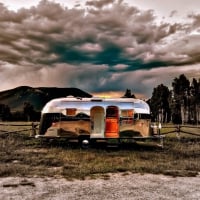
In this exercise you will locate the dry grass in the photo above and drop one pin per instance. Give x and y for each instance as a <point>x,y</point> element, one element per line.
<point>24,156</point>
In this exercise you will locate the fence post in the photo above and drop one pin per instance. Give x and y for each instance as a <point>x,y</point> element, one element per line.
<point>178,130</point>
<point>159,127</point>
<point>33,131</point>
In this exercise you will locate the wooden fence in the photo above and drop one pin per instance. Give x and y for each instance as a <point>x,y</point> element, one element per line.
<point>31,127</point>
<point>181,129</point>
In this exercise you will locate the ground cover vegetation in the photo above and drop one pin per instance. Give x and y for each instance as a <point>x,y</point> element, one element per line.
<point>22,155</point>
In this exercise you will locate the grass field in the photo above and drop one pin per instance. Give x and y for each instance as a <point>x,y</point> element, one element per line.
<point>22,155</point>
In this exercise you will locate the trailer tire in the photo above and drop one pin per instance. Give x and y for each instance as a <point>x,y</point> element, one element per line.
<point>84,142</point>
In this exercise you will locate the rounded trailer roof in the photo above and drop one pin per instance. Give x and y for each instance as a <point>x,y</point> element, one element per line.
<point>57,105</point>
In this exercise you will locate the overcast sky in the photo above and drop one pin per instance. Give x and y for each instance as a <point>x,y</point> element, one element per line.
<point>102,47</point>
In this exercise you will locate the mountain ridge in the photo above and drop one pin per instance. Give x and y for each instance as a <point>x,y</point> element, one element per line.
<point>38,96</point>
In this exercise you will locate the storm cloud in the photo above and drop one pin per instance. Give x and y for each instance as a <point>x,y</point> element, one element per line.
<point>105,46</point>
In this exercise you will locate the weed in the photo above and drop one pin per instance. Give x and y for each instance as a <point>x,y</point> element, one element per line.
<point>25,156</point>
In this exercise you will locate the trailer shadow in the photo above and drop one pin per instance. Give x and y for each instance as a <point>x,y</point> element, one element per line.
<point>131,146</point>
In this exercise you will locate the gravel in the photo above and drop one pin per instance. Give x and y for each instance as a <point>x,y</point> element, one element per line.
<point>117,186</point>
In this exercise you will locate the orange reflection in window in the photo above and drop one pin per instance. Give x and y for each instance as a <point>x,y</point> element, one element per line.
<point>71,111</point>
<point>127,113</point>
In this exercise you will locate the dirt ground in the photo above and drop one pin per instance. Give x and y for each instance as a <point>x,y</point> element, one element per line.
<point>116,186</point>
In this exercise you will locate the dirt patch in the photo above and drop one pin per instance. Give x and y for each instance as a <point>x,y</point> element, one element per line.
<point>114,186</point>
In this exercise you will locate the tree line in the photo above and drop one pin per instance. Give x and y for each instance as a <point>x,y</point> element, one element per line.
<point>179,105</point>
<point>28,113</point>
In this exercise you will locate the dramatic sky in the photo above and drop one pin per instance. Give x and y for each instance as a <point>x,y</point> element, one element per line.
<point>102,47</point>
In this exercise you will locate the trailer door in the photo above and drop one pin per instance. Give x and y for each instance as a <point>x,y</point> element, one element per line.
<point>112,122</point>
<point>97,122</point>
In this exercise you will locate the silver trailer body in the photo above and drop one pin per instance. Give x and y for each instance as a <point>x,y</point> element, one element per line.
<point>96,118</point>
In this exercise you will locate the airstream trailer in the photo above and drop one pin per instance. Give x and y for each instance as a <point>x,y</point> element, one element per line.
<point>94,119</point>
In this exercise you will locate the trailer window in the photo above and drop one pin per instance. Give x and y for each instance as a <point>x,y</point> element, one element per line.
<point>141,116</point>
<point>112,111</point>
<point>71,111</point>
<point>127,113</point>
<point>145,116</point>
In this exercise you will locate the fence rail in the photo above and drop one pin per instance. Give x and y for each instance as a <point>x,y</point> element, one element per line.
<point>176,128</point>
<point>179,129</point>
<point>33,128</point>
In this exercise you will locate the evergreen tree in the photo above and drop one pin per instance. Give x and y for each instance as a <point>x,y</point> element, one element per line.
<point>180,85</point>
<point>194,101</point>
<point>28,111</point>
<point>159,103</point>
<point>128,94</point>
<point>5,113</point>
<point>181,99</point>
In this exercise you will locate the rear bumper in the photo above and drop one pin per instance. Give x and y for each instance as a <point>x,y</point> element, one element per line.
<point>137,138</point>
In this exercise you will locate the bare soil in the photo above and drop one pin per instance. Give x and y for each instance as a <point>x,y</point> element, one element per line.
<point>115,186</point>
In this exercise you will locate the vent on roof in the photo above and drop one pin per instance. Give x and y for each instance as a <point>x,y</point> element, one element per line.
<point>96,99</point>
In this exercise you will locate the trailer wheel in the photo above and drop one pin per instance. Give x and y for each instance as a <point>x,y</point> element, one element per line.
<point>84,142</point>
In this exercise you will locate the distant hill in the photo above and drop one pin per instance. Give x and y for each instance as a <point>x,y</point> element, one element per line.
<point>38,97</point>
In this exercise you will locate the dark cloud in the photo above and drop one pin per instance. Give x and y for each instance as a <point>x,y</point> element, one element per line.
<point>96,47</point>
<point>99,3</point>
<point>196,21</point>
<point>173,12</point>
